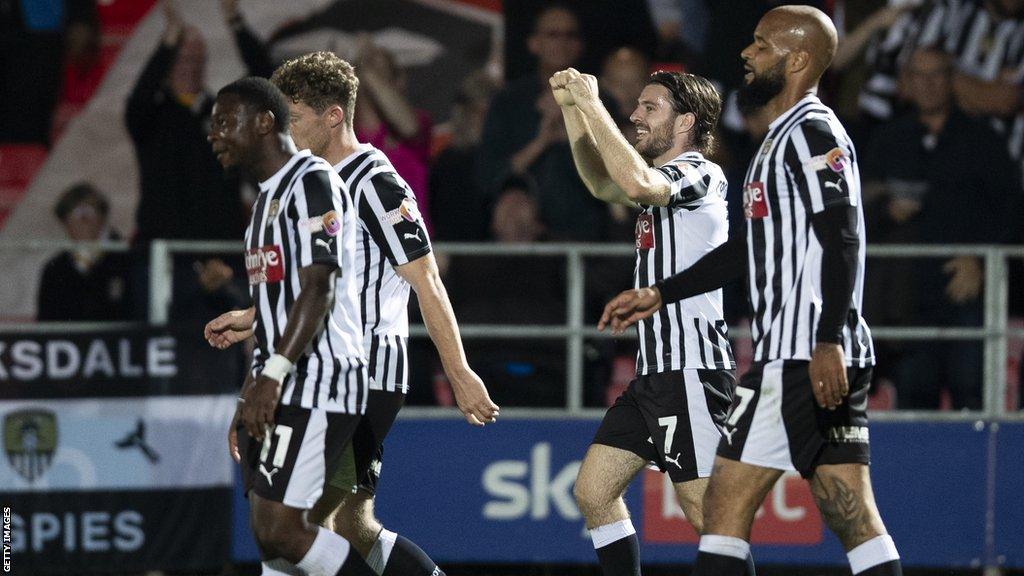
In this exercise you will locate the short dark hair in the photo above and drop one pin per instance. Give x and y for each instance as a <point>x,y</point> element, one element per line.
<point>696,95</point>
<point>77,194</point>
<point>318,80</point>
<point>263,95</point>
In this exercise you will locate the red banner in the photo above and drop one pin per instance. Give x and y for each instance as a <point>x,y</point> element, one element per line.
<point>788,515</point>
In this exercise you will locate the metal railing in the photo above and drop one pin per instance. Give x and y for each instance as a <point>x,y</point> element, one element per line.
<point>994,332</point>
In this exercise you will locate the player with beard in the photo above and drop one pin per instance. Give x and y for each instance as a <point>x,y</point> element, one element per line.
<point>802,406</point>
<point>669,414</point>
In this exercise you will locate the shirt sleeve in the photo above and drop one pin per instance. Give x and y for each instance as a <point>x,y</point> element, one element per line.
<point>822,164</point>
<point>388,211</point>
<point>317,215</point>
<point>690,182</point>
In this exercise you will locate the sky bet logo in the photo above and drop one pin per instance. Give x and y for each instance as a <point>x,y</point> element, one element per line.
<point>521,488</point>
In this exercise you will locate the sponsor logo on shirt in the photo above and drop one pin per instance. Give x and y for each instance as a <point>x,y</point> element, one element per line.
<point>264,264</point>
<point>331,223</point>
<point>834,160</point>
<point>407,211</point>
<point>645,231</point>
<point>754,203</point>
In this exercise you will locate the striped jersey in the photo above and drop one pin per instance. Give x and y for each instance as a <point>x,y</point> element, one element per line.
<point>981,45</point>
<point>690,333</point>
<point>805,164</point>
<point>302,216</point>
<point>390,233</point>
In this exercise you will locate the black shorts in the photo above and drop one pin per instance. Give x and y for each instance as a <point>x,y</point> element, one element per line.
<point>671,420</point>
<point>775,422</point>
<point>360,464</point>
<point>290,466</point>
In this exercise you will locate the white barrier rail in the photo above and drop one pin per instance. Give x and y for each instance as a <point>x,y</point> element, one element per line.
<point>994,332</point>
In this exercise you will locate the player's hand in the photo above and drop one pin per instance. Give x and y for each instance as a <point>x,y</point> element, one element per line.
<point>472,397</point>
<point>828,375</point>
<point>966,281</point>
<point>628,308</point>
<point>558,89</point>
<point>583,87</point>
<point>260,402</point>
<point>229,328</point>
<point>233,437</point>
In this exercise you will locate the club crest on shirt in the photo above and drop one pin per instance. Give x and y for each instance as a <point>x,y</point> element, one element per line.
<point>272,210</point>
<point>765,147</point>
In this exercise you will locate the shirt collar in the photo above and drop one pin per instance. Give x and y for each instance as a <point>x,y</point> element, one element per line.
<point>271,183</point>
<point>362,148</point>
<point>808,98</point>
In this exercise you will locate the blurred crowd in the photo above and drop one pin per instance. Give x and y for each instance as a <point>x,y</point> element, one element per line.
<point>929,89</point>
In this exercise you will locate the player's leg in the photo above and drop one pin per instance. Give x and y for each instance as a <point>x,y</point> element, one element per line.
<point>353,517</point>
<point>284,477</point>
<point>841,483</point>
<point>690,496</point>
<point>735,491</point>
<point>847,504</point>
<point>600,484</point>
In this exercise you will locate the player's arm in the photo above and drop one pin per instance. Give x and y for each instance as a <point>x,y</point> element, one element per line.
<point>305,319</point>
<point>588,161</point>
<point>470,392</point>
<point>725,263</point>
<point>230,328</point>
<point>316,213</point>
<point>824,176</point>
<point>641,183</point>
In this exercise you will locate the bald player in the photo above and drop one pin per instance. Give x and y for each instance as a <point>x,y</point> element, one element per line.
<point>802,406</point>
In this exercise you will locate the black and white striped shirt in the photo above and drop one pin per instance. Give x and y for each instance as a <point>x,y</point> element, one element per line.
<point>805,164</point>
<point>981,45</point>
<point>690,333</point>
<point>391,233</point>
<point>303,216</point>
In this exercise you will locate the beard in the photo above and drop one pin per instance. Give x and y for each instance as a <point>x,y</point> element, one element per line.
<point>754,96</point>
<point>657,142</point>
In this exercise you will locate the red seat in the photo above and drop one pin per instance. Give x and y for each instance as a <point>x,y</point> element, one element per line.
<point>18,164</point>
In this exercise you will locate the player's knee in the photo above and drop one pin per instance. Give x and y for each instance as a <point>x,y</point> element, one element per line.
<point>278,534</point>
<point>591,498</point>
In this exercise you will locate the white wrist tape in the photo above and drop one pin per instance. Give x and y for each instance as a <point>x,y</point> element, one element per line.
<point>277,367</point>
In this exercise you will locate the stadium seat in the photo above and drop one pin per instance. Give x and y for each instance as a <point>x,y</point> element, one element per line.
<point>18,164</point>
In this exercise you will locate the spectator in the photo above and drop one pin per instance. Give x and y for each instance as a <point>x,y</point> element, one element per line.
<point>937,176</point>
<point>83,72</point>
<point>623,77</point>
<point>524,135</point>
<point>458,208</point>
<point>514,290</point>
<point>31,44</point>
<point>385,118</point>
<point>682,29</point>
<point>183,191</point>
<point>84,283</point>
<point>983,39</point>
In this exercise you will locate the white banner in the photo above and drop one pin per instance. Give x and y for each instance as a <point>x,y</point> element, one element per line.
<point>116,443</point>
